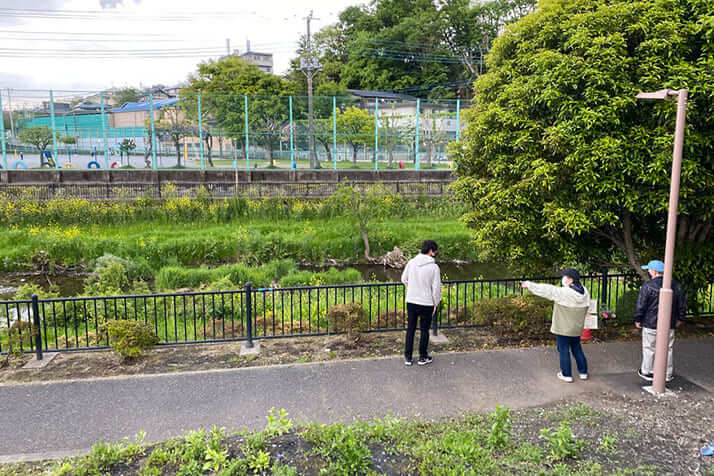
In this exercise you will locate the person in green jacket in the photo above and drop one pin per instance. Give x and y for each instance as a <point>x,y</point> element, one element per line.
<point>570,306</point>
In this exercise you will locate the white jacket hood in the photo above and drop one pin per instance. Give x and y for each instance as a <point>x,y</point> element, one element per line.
<point>422,278</point>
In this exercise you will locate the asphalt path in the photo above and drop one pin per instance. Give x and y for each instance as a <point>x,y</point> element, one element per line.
<point>52,419</point>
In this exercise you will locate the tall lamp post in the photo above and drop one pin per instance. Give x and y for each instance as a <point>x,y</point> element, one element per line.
<point>664,314</point>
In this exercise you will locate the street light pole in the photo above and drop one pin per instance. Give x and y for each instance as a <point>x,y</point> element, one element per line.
<point>664,313</point>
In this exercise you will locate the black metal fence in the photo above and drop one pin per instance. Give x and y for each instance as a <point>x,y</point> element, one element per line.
<point>75,323</point>
<point>127,191</point>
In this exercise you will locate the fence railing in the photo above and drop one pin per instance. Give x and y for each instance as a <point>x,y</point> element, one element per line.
<point>75,323</point>
<point>127,191</point>
<point>207,131</point>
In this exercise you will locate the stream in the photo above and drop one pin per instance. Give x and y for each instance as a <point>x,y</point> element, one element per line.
<point>71,285</point>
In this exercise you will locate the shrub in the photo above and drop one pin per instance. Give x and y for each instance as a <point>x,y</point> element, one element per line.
<point>18,337</point>
<point>130,338</point>
<point>625,307</point>
<point>514,316</point>
<point>349,317</point>
<point>175,277</point>
<point>331,276</point>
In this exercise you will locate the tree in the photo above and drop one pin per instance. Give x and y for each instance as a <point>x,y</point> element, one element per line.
<point>40,137</point>
<point>355,127</point>
<point>424,47</point>
<point>126,147</point>
<point>172,123</point>
<point>433,132</point>
<point>560,162</point>
<point>364,203</point>
<point>223,84</point>
<point>394,128</point>
<point>125,95</point>
<point>68,140</point>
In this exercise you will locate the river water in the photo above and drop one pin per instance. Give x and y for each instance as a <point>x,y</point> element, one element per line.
<point>73,284</point>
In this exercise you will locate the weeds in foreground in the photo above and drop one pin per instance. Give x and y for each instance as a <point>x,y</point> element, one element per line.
<point>474,444</point>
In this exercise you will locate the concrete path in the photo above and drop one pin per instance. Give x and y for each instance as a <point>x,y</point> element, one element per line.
<point>51,419</point>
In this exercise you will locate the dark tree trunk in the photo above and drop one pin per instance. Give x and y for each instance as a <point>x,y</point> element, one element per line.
<point>177,143</point>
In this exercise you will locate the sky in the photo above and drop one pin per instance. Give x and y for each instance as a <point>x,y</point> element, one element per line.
<point>72,45</point>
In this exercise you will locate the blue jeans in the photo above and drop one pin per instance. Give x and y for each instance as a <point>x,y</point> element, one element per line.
<point>567,344</point>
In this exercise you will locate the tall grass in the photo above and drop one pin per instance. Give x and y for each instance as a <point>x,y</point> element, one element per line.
<point>250,241</point>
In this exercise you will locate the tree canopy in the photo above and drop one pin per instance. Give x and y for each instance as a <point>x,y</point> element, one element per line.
<point>560,162</point>
<point>422,47</point>
<point>223,84</point>
<point>125,95</point>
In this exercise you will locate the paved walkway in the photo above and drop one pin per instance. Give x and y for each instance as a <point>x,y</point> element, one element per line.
<point>50,419</point>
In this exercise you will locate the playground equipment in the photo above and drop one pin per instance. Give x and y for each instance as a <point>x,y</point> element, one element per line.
<point>68,165</point>
<point>19,164</point>
<point>94,165</point>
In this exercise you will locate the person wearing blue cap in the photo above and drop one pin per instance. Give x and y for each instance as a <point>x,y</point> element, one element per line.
<point>646,318</point>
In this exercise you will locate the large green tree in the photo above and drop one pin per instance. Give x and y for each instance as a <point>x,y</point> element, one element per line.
<point>562,164</point>
<point>223,85</point>
<point>424,47</point>
<point>355,126</point>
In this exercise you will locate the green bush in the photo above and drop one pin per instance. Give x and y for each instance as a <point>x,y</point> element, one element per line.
<point>625,307</point>
<point>350,318</point>
<point>175,277</point>
<point>130,338</point>
<point>514,316</point>
<point>320,278</point>
<point>19,336</point>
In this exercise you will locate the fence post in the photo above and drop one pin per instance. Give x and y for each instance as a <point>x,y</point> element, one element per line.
<point>416,139</point>
<point>200,132</point>
<point>36,325</point>
<point>104,130</point>
<point>292,147</point>
<point>603,288</point>
<point>247,150</point>
<point>334,131</point>
<point>376,134</point>
<point>458,119</point>
<point>153,131</point>
<point>249,315</point>
<point>2,134</point>
<point>54,131</point>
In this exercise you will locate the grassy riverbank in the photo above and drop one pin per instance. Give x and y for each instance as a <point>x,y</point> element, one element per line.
<point>249,241</point>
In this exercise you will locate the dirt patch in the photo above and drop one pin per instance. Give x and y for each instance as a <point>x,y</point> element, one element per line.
<point>195,357</point>
<point>656,436</point>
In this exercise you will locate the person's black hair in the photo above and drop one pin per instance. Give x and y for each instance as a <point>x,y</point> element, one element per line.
<point>429,245</point>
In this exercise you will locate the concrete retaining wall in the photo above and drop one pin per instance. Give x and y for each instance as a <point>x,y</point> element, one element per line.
<point>218,176</point>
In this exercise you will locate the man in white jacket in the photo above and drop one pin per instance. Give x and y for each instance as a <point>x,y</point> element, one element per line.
<point>422,278</point>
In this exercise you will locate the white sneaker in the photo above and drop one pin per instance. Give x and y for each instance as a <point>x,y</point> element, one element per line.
<point>583,376</point>
<point>564,378</point>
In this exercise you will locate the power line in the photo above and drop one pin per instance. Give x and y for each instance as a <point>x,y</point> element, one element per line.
<point>102,14</point>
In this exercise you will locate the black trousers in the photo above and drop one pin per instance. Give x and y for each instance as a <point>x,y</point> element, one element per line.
<point>424,313</point>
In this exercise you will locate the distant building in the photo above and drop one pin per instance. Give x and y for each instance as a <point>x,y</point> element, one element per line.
<point>60,107</point>
<point>134,114</point>
<point>87,107</point>
<point>264,61</point>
